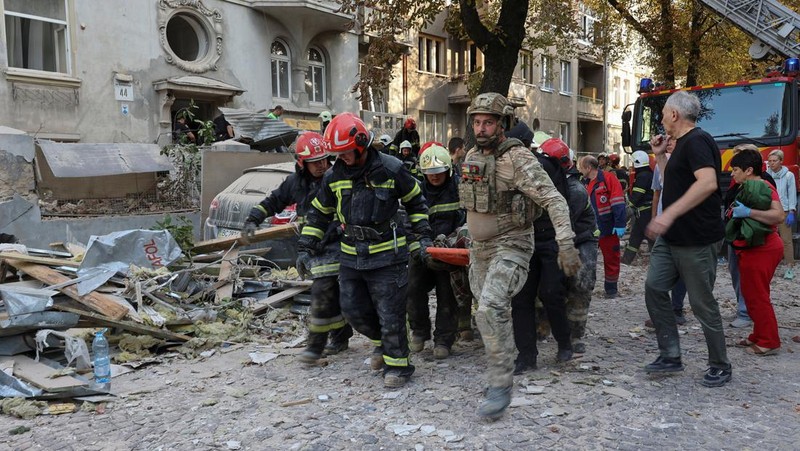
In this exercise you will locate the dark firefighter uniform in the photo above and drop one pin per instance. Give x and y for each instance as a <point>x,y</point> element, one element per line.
<point>545,280</point>
<point>445,216</point>
<point>326,315</point>
<point>641,201</point>
<point>373,272</point>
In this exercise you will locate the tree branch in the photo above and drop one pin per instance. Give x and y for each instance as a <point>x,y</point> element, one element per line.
<point>644,31</point>
<point>472,23</point>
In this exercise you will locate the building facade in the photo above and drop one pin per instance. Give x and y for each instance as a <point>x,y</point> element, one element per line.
<point>119,71</point>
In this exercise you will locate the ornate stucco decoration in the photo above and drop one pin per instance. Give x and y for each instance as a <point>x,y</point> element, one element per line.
<point>195,17</point>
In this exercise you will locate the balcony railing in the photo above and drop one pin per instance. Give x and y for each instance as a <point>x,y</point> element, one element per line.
<point>589,107</point>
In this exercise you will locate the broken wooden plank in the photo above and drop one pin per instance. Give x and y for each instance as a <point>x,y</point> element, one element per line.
<point>47,261</point>
<point>38,374</point>
<point>276,299</point>
<point>226,268</point>
<point>96,301</point>
<point>101,320</point>
<point>211,258</point>
<point>274,232</point>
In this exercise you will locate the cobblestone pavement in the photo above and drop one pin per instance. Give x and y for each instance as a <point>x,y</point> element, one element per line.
<point>602,400</point>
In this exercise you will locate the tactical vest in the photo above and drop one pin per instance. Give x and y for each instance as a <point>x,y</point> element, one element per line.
<point>478,188</point>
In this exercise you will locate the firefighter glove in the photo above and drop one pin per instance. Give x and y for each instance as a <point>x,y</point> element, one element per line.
<point>304,265</point>
<point>248,232</point>
<point>257,214</point>
<point>569,260</point>
<point>308,245</point>
<point>740,210</point>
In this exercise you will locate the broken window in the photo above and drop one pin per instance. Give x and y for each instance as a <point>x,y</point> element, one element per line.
<point>36,35</point>
<point>315,78</point>
<point>187,37</point>
<point>280,70</point>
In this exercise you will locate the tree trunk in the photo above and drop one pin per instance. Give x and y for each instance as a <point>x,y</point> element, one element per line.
<point>500,46</point>
<point>667,47</point>
<point>695,36</point>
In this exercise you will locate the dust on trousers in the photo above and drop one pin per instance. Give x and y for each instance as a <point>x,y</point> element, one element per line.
<point>421,280</point>
<point>326,317</point>
<point>459,280</point>
<point>374,303</point>
<point>579,290</point>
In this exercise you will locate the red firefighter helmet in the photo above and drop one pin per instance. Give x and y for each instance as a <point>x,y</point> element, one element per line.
<point>613,158</point>
<point>410,124</point>
<point>347,132</point>
<point>310,147</point>
<point>558,149</point>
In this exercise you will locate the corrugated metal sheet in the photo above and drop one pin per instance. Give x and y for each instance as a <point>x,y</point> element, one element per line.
<point>93,160</point>
<point>265,133</point>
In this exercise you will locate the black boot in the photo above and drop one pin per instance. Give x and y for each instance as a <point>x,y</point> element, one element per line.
<point>339,340</point>
<point>316,345</point>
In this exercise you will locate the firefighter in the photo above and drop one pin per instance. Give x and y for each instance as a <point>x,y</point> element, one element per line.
<point>409,159</point>
<point>503,188</point>
<point>641,203</point>
<point>300,188</point>
<point>408,133</point>
<point>445,217</point>
<point>363,191</point>
<point>620,172</point>
<point>579,287</point>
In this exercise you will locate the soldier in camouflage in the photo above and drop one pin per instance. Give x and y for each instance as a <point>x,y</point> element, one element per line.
<point>503,189</point>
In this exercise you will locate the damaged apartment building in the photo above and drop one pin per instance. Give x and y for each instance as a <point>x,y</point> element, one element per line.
<point>78,73</point>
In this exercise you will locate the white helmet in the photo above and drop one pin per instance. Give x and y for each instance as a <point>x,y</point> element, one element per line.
<point>640,159</point>
<point>405,145</point>
<point>385,139</point>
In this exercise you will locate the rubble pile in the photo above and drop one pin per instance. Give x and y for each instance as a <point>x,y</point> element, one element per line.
<point>156,300</point>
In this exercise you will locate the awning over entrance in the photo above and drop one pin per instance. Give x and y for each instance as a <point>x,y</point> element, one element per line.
<point>198,87</point>
<point>266,133</point>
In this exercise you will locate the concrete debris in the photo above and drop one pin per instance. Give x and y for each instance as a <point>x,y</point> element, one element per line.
<point>616,391</point>
<point>403,429</point>
<point>153,297</point>
<point>260,358</point>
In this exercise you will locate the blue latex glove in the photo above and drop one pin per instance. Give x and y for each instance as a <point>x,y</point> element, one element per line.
<point>619,231</point>
<point>740,210</point>
<point>790,219</point>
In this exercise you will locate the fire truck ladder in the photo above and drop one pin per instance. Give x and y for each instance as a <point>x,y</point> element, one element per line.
<point>775,28</point>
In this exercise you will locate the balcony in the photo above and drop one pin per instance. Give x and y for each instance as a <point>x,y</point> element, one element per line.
<point>590,108</point>
<point>459,93</point>
<point>312,10</point>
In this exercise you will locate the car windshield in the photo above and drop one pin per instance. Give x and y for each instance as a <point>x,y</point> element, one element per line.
<point>750,111</point>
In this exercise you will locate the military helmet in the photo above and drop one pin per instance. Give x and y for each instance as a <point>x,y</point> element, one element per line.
<point>491,103</point>
<point>435,160</point>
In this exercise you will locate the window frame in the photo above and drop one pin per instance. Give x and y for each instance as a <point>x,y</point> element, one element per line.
<point>566,79</point>
<point>615,92</point>
<point>439,132</point>
<point>67,63</point>
<point>546,73</point>
<point>311,76</point>
<point>526,67</point>
<point>426,43</point>
<point>278,59</point>
<point>564,131</point>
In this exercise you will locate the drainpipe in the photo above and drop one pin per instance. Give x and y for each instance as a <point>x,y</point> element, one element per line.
<point>405,84</point>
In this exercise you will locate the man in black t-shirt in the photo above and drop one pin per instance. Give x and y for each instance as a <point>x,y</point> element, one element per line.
<point>687,235</point>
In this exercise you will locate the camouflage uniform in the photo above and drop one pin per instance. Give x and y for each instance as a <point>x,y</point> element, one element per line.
<point>496,191</point>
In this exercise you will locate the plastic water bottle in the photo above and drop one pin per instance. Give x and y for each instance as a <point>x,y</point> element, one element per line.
<point>102,364</point>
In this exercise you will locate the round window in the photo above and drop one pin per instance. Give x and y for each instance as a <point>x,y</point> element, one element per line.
<point>187,37</point>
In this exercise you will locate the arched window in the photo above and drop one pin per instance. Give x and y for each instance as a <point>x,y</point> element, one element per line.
<point>315,79</point>
<point>281,70</point>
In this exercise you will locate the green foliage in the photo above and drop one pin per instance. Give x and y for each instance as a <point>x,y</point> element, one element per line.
<point>182,230</point>
<point>474,82</point>
<point>183,186</point>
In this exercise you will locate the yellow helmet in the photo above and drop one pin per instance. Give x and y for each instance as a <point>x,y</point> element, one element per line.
<point>435,160</point>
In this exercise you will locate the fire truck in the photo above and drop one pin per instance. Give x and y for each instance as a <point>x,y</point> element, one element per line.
<point>764,112</point>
